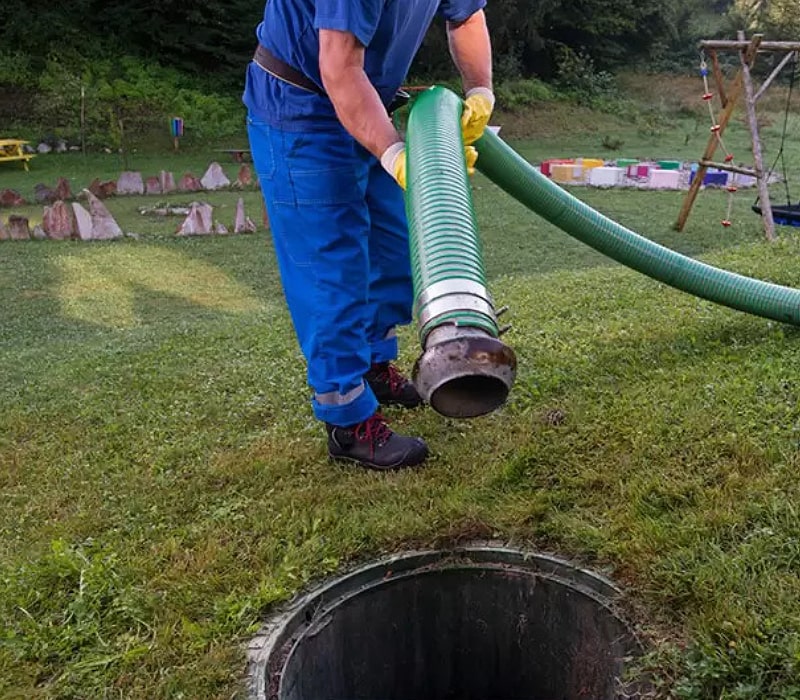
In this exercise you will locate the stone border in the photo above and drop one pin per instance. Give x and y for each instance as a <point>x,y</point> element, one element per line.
<point>133,183</point>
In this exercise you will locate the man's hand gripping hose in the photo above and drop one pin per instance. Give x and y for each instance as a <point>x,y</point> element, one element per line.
<point>477,111</point>
<point>393,161</point>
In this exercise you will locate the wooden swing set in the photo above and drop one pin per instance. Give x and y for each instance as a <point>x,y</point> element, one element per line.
<point>729,95</point>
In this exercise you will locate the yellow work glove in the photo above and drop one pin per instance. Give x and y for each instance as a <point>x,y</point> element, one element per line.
<point>471,156</point>
<point>475,116</point>
<point>393,161</point>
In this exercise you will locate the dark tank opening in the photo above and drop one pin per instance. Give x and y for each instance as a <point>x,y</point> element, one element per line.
<point>453,628</point>
<point>470,396</point>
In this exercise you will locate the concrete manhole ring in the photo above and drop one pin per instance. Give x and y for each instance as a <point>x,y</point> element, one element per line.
<point>472,623</point>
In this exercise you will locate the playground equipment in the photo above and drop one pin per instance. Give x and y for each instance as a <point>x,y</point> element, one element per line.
<point>465,370</point>
<point>708,98</point>
<point>789,213</point>
<point>729,95</point>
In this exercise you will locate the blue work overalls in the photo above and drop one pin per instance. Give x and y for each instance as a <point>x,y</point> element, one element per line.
<point>341,240</point>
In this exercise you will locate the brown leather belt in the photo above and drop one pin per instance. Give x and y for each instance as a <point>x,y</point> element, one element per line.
<point>273,65</point>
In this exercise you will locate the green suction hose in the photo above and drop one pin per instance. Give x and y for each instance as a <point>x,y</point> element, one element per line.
<point>465,370</point>
<point>446,255</point>
<point>523,182</point>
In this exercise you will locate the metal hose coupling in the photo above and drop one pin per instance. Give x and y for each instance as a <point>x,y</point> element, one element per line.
<point>465,370</point>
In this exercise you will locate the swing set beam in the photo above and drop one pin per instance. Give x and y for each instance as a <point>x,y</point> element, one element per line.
<point>729,168</point>
<point>742,44</point>
<point>758,158</point>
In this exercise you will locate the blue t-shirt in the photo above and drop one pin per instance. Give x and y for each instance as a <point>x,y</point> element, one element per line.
<point>390,30</point>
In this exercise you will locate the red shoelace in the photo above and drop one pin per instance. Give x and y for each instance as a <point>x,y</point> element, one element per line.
<point>392,376</point>
<point>374,430</point>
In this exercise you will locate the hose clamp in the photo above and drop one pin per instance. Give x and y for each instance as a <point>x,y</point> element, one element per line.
<point>454,303</point>
<point>450,287</point>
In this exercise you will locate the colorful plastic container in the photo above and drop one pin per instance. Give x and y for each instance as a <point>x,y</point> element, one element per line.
<point>664,179</point>
<point>713,177</point>
<point>547,165</point>
<point>563,173</point>
<point>606,176</point>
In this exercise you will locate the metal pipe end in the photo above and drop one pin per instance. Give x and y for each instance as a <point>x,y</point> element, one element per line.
<point>464,372</point>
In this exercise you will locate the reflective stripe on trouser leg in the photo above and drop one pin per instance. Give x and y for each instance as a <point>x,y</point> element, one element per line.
<point>391,292</point>
<point>314,187</point>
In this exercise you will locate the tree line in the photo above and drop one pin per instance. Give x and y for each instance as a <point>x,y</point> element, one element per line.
<point>102,71</point>
<point>215,38</point>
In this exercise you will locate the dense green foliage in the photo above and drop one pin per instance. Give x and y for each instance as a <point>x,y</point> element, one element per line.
<point>215,37</point>
<point>780,18</point>
<point>196,37</point>
<point>111,74</point>
<point>212,40</point>
<point>125,97</point>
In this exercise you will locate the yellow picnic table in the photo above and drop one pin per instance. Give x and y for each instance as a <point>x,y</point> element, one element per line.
<point>11,149</point>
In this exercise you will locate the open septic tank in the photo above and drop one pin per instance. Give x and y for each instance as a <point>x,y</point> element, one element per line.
<point>478,623</point>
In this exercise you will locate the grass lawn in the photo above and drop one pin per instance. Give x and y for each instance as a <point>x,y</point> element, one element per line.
<point>163,483</point>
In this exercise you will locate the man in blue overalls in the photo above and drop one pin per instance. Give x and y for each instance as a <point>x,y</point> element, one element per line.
<point>331,166</point>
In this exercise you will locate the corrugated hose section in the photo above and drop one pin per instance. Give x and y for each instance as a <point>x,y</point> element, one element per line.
<point>446,255</point>
<point>522,181</point>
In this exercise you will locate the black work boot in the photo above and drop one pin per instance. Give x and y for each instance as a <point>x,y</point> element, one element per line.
<point>391,387</point>
<point>373,444</point>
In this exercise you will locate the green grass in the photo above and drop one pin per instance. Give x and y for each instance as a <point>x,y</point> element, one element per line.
<point>164,484</point>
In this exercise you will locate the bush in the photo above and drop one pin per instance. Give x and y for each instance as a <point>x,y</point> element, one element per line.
<point>124,102</point>
<point>15,69</point>
<point>209,116</point>
<point>518,94</point>
<point>578,76</point>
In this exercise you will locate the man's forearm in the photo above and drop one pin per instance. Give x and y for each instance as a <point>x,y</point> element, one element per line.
<point>360,110</point>
<point>471,50</point>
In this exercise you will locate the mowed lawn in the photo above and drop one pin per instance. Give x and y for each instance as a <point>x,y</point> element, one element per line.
<point>163,484</point>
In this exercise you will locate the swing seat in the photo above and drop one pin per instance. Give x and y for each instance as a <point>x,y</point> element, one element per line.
<point>784,215</point>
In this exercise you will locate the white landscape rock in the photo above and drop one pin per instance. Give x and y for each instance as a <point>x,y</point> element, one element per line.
<point>83,222</point>
<point>243,223</point>
<point>152,185</point>
<point>130,183</point>
<point>199,221</point>
<point>104,226</point>
<point>167,180</point>
<point>215,178</point>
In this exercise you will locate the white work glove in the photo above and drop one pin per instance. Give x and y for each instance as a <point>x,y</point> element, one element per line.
<point>393,161</point>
